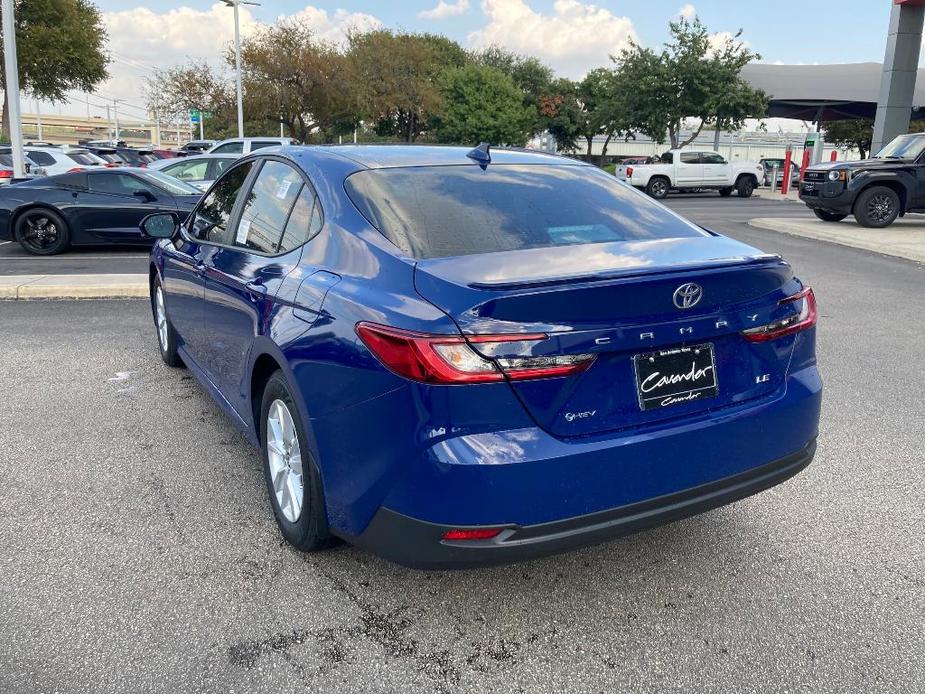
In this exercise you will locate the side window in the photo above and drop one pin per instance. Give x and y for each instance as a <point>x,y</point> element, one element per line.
<point>713,158</point>
<point>690,157</point>
<point>667,158</point>
<point>260,144</point>
<point>267,208</point>
<point>117,184</point>
<point>229,148</point>
<point>41,158</point>
<point>211,219</point>
<point>304,222</point>
<point>218,166</point>
<point>188,170</point>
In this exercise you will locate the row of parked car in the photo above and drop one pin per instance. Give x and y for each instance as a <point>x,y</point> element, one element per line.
<point>45,159</point>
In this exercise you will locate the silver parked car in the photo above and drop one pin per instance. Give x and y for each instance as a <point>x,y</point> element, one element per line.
<point>198,170</point>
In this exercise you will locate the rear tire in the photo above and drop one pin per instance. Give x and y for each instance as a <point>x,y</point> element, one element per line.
<point>292,478</point>
<point>745,186</point>
<point>166,335</point>
<point>41,231</point>
<point>658,187</point>
<point>876,207</point>
<point>726,192</point>
<point>829,216</point>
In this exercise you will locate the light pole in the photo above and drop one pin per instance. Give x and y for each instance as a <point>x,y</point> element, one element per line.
<point>237,58</point>
<point>12,88</point>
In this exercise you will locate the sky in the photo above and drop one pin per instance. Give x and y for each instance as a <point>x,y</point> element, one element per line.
<point>572,36</point>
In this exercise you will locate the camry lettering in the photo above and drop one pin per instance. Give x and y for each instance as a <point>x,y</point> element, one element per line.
<point>656,380</point>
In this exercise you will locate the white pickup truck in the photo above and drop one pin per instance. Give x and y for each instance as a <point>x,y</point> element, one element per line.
<point>686,169</point>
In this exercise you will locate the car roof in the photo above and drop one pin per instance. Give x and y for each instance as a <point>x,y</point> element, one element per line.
<point>389,156</point>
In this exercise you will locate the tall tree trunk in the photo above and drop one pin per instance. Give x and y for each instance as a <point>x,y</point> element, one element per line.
<point>600,159</point>
<point>693,135</point>
<point>590,139</point>
<point>673,137</point>
<point>411,127</point>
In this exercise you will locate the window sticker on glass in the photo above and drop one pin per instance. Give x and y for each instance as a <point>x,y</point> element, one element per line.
<point>243,228</point>
<point>283,189</point>
<point>586,233</point>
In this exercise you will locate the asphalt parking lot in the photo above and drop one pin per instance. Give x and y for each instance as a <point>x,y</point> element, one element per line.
<point>139,551</point>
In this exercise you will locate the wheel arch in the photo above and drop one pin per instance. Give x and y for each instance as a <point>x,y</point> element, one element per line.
<point>894,181</point>
<point>35,205</point>
<point>746,174</point>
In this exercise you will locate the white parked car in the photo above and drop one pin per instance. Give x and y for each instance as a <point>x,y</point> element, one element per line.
<point>686,169</point>
<point>198,170</point>
<point>246,145</point>
<point>59,160</point>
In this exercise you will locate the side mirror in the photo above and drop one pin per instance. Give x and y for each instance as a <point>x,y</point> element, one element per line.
<point>161,225</point>
<point>145,195</point>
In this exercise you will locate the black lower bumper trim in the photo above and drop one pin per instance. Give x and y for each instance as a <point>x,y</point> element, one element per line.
<point>418,544</point>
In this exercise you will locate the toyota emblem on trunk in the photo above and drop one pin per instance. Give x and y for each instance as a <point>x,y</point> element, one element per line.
<point>687,295</point>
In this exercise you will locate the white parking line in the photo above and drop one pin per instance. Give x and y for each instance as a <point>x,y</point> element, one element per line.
<point>71,258</point>
<point>3,243</point>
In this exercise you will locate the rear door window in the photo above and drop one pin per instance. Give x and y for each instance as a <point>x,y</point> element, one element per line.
<point>260,144</point>
<point>267,208</point>
<point>229,148</point>
<point>439,211</point>
<point>690,157</point>
<point>82,158</point>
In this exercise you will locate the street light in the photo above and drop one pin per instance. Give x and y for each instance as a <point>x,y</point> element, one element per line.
<point>12,88</point>
<point>237,58</point>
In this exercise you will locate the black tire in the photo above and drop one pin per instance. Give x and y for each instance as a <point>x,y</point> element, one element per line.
<point>745,186</point>
<point>876,207</point>
<point>166,335</point>
<point>309,531</point>
<point>41,231</point>
<point>658,187</point>
<point>829,216</point>
<point>726,192</point>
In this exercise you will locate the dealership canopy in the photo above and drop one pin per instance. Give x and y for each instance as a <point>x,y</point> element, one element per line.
<point>825,92</point>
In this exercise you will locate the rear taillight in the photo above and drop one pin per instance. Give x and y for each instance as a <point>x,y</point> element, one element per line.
<point>76,169</point>
<point>804,318</point>
<point>450,359</point>
<point>111,165</point>
<point>6,173</point>
<point>629,171</point>
<point>472,533</point>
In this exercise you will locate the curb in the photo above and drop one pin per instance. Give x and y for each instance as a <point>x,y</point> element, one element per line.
<point>16,287</point>
<point>897,241</point>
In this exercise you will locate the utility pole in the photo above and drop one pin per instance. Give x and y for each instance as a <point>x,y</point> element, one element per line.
<point>115,108</point>
<point>38,119</point>
<point>237,59</point>
<point>108,124</point>
<point>11,68</point>
<point>87,99</point>
<point>157,129</point>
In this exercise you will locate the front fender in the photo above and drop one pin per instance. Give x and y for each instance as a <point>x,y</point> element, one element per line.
<point>866,178</point>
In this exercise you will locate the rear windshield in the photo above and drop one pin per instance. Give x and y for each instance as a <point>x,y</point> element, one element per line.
<point>84,158</point>
<point>440,211</point>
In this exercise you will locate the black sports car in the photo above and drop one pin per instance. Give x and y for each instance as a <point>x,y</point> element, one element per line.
<point>47,215</point>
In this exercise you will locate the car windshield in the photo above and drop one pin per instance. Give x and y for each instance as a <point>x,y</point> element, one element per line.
<point>903,147</point>
<point>434,212</point>
<point>169,183</point>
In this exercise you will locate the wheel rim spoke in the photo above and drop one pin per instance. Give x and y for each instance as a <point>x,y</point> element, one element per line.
<point>284,457</point>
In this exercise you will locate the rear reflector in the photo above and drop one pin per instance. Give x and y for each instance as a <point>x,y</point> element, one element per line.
<point>804,318</point>
<point>472,534</point>
<point>450,359</point>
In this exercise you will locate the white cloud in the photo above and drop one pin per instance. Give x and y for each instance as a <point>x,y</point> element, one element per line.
<point>687,12</point>
<point>142,40</point>
<point>445,9</point>
<point>574,39</point>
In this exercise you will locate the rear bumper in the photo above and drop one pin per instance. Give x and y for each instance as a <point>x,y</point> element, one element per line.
<point>419,544</point>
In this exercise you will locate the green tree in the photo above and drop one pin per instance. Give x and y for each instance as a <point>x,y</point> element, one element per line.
<point>601,109</point>
<point>291,76</point>
<point>397,77</point>
<point>59,44</point>
<point>531,75</point>
<point>856,132</point>
<point>173,92</point>
<point>482,104</point>
<point>690,78</point>
<point>560,113</point>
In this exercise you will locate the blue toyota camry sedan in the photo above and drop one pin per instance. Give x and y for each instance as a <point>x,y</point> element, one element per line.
<point>457,357</point>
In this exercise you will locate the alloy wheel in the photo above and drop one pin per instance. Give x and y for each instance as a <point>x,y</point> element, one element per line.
<point>285,457</point>
<point>880,207</point>
<point>160,314</point>
<point>41,232</point>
